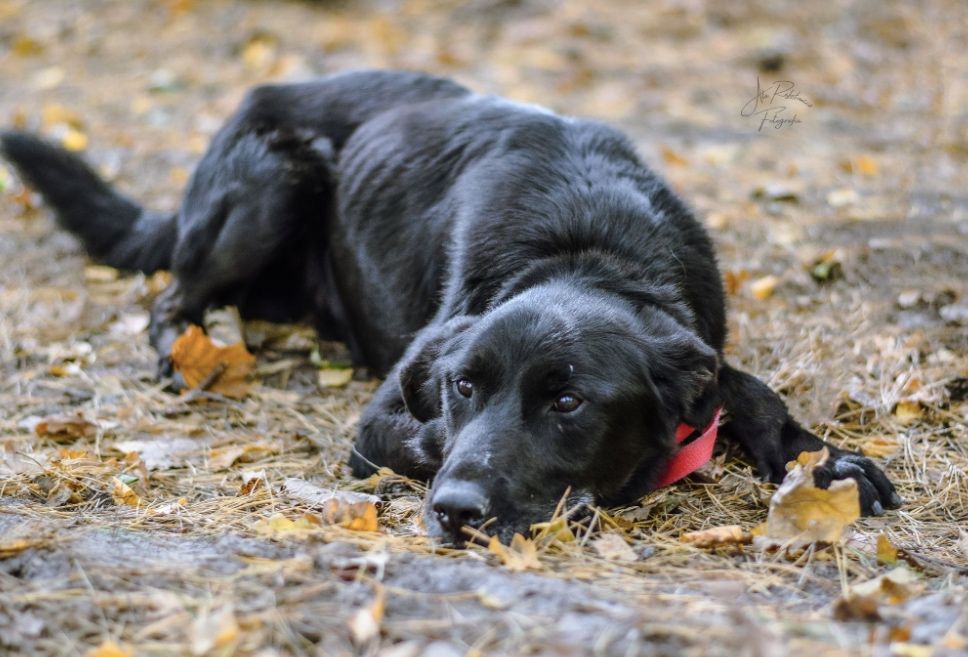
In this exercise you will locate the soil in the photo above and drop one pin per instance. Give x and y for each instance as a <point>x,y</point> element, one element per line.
<point>844,241</point>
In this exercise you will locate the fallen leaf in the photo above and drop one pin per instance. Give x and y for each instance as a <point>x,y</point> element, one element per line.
<point>521,555</point>
<point>252,481</point>
<point>365,623</point>
<point>862,601</point>
<point>122,494</point>
<point>879,446</point>
<point>167,508</point>
<point>74,140</point>
<point>672,157</point>
<point>886,551</point>
<point>358,516</point>
<point>109,649</point>
<point>161,453</point>
<point>734,279</point>
<point>801,514</point>
<point>317,497</point>
<point>55,113</point>
<point>214,631</point>
<point>718,536</point>
<point>762,288</point>
<point>199,360</point>
<point>224,458</point>
<point>908,411</point>
<point>613,547</point>
<point>66,426</point>
<point>334,378</point>
<point>9,548</point>
<point>865,165</point>
<point>279,524</point>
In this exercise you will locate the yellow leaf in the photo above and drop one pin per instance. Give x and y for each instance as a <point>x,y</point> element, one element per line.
<point>122,494</point>
<point>886,552</point>
<point>109,649</point>
<point>717,536</point>
<point>800,513</point>
<point>908,411</point>
<point>672,157</point>
<point>521,555</point>
<point>866,165</point>
<point>334,378</point>
<point>74,140</point>
<point>762,288</point>
<point>224,370</point>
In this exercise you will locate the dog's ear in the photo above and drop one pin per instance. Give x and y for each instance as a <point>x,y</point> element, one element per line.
<point>419,381</point>
<point>682,367</point>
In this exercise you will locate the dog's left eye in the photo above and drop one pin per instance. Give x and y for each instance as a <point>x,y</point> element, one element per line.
<point>566,403</point>
<point>464,387</point>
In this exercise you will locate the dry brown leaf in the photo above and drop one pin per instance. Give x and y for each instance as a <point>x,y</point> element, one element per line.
<point>365,623</point>
<point>861,602</point>
<point>122,494</point>
<point>199,360</point>
<point>277,524</point>
<point>800,513</point>
<point>223,458</point>
<point>734,279</point>
<point>718,536</point>
<point>66,426</point>
<point>521,555</point>
<point>613,547</point>
<point>109,649</point>
<point>762,288</point>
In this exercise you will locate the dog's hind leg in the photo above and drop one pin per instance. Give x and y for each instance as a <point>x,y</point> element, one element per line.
<point>257,201</point>
<point>759,421</point>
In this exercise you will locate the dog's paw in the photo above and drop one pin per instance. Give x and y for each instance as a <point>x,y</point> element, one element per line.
<point>874,488</point>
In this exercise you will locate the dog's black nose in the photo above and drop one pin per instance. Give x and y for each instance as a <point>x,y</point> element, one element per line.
<point>459,503</point>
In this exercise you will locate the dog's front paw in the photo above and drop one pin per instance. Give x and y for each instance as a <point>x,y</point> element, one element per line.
<point>874,488</point>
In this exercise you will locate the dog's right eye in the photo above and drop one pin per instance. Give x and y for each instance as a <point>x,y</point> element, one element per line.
<point>464,387</point>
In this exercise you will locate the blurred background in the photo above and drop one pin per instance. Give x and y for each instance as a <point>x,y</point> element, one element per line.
<point>842,228</point>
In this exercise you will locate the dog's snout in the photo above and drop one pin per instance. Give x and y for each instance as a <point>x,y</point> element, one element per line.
<point>459,503</point>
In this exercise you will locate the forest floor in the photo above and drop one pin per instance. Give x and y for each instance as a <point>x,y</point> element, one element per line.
<point>144,523</point>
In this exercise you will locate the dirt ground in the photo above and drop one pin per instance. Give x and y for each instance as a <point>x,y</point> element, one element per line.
<point>844,241</point>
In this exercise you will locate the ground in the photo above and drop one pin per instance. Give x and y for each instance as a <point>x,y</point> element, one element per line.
<point>162,525</point>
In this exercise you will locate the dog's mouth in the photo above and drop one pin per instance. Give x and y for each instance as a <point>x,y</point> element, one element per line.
<point>526,519</point>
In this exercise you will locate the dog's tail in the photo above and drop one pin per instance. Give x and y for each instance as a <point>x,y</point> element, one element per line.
<point>114,230</point>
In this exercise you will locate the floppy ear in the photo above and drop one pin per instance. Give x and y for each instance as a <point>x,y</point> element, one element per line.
<point>683,368</point>
<point>419,381</point>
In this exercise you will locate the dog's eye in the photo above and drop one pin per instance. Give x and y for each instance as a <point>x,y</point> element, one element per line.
<point>566,403</point>
<point>464,387</point>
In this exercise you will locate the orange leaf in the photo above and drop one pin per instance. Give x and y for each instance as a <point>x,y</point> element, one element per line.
<point>358,516</point>
<point>122,494</point>
<point>717,536</point>
<point>69,426</point>
<point>199,360</point>
<point>522,554</point>
<point>109,649</point>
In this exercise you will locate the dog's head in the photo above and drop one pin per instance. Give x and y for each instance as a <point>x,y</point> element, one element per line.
<point>557,389</point>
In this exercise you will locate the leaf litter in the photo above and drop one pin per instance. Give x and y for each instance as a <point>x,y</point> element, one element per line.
<point>194,544</point>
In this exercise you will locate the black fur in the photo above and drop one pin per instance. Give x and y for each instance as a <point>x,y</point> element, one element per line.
<point>547,310</point>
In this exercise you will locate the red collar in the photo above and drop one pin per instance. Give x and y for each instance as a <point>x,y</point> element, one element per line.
<point>695,451</point>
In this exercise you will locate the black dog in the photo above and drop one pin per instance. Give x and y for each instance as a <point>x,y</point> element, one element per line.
<point>547,310</point>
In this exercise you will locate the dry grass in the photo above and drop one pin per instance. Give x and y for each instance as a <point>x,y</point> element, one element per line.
<point>194,567</point>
